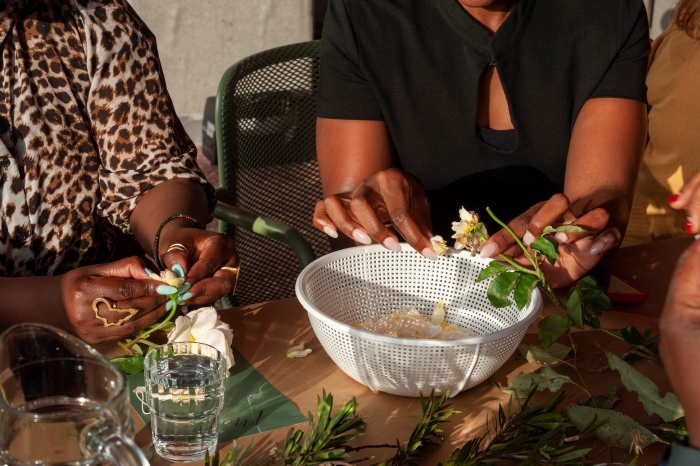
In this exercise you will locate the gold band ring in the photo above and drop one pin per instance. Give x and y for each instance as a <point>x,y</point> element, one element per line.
<point>236,271</point>
<point>112,307</point>
<point>178,247</point>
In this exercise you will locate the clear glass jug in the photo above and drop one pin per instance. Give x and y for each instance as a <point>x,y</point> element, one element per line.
<point>61,402</point>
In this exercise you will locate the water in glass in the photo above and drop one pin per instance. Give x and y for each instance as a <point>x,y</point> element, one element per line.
<point>185,389</point>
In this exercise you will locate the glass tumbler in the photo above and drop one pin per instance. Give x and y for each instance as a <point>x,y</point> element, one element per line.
<point>185,394</point>
<point>61,402</point>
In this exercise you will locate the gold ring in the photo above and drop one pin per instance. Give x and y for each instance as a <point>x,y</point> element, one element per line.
<point>178,247</point>
<point>112,307</point>
<point>235,271</point>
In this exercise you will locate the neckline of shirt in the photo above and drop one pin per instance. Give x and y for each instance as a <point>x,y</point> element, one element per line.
<point>474,34</point>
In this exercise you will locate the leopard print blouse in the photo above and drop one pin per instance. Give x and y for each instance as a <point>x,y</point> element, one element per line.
<point>87,126</point>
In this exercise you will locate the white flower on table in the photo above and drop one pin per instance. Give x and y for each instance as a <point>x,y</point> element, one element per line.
<point>204,326</point>
<point>298,351</point>
<point>168,277</point>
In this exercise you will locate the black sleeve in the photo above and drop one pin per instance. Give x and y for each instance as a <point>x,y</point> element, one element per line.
<point>343,90</point>
<point>626,77</point>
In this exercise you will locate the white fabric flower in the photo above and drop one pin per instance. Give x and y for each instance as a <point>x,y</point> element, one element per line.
<point>439,245</point>
<point>204,326</point>
<point>169,277</point>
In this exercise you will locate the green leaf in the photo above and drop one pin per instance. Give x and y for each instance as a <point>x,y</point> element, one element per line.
<point>667,407</point>
<point>523,290</point>
<point>632,336</point>
<point>547,247</point>
<point>608,400</point>
<point>572,455</point>
<point>574,307</point>
<point>553,354</point>
<point>543,378</point>
<point>553,327</point>
<point>618,428</point>
<point>548,230</point>
<point>130,365</point>
<point>587,283</point>
<point>597,299</point>
<point>494,268</point>
<point>500,287</point>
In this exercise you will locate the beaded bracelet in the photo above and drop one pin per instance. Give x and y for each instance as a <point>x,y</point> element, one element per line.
<point>160,228</point>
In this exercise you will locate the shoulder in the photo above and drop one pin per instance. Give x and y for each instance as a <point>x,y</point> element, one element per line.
<point>116,16</point>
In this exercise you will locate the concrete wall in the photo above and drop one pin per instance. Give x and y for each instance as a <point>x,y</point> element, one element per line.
<point>199,39</point>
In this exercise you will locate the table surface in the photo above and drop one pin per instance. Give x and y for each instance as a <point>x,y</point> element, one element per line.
<point>284,323</point>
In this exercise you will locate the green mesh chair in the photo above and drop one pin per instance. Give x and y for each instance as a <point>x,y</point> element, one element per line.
<point>266,146</point>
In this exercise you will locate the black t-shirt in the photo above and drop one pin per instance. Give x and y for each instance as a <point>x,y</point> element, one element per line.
<point>416,65</point>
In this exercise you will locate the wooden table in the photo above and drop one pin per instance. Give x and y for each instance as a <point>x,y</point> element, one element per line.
<point>264,332</point>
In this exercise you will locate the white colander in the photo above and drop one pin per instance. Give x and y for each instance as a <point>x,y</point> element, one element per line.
<point>352,285</point>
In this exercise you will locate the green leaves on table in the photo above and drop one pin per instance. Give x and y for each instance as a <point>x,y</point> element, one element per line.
<point>668,407</point>
<point>543,378</point>
<point>130,365</point>
<point>553,327</point>
<point>553,354</point>
<point>610,426</point>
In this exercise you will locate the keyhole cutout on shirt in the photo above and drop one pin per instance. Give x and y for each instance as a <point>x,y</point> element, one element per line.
<point>493,109</point>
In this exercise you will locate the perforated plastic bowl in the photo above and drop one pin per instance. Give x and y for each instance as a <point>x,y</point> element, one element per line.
<point>352,285</point>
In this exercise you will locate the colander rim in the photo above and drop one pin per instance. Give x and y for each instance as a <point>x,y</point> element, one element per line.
<point>534,306</point>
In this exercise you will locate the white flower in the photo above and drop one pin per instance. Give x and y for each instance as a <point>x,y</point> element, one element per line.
<point>439,245</point>
<point>204,326</point>
<point>438,313</point>
<point>468,216</point>
<point>169,277</point>
<point>470,233</point>
<point>298,351</point>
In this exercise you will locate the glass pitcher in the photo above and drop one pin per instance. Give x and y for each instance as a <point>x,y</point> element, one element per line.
<point>61,402</point>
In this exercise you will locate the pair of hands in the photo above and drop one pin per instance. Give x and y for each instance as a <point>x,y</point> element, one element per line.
<point>127,283</point>
<point>393,197</point>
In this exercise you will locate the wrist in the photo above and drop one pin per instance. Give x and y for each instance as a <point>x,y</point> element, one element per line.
<point>160,245</point>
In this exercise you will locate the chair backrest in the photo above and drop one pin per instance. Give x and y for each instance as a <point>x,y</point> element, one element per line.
<point>266,116</point>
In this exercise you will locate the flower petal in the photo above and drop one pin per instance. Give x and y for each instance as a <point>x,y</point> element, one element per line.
<point>217,339</point>
<point>203,320</point>
<point>226,330</point>
<point>298,351</point>
<point>438,313</point>
<point>439,245</point>
<point>182,330</point>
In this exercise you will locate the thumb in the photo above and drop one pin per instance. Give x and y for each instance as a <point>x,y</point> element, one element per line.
<point>176,255</point>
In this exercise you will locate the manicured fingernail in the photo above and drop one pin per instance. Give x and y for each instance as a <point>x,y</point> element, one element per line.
<point>488,251</point>
<point>673,199</point>
<point>166,290</point>
<point>598,246</point>
<point>429,254</point>
<point>185,297</point>
<point>169,305</point>
<point>391,244</point>
<point>330,231</point>
<point>184,288</point>
<point>361,237</point>
<point>561,237</point>
<point>688,226</point>
<point>179,271</point>
<point>528,238</point>
<point>148,271</point>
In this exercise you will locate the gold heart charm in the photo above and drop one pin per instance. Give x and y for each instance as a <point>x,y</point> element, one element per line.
<point>112,307</point>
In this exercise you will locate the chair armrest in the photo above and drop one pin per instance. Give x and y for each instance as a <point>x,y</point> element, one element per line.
<point>267,227</point>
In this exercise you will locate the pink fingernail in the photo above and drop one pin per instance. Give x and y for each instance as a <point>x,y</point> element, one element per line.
<point>361,237</point>
<point>598,246</point>
<point>488,251</point>
<point>391,244</point>
<point>330,231</point>
<point>429,254</point>
<point>528,238</point>
<point>561,237</point>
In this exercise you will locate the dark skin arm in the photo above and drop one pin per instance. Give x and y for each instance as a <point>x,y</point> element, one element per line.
<point>606,146</point>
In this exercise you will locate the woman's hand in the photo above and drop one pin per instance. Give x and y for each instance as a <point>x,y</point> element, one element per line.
<point>124,282</point>
<point>680,337</point>
<point>689,199</point>
<point>207,252</point>
<point>387,196</point>
<point>579,252</point>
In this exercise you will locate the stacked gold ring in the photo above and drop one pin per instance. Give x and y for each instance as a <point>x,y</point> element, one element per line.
<point>235,271</point>
<point>178,247</point>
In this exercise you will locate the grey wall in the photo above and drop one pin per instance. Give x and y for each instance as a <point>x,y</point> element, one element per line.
<point>199,39</point>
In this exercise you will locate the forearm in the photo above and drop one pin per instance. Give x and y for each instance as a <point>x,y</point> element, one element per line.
<point>32,299</point>
<point>176,196</point>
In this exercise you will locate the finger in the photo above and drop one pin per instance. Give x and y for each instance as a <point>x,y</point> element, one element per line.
<point>117,289</point>
<point>176,259</point>
<point>605,241</point>
<point>130,327</point>
<point>339,215</point>
<point>503,240</point>
<point>592,221</point>
<point>210,289</point>
<point>215,252</point>
<point>128,268</point>
<point>548,214</point>
<point>323,222</point>
<point>363,211</point>
<point>692,211</point>
<point>118,310</point>
<point>690,190</point>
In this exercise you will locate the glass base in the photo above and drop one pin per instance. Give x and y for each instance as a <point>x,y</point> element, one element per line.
<point>184,452</point>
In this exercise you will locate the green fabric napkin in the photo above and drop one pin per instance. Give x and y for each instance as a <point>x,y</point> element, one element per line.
<point>251,404</point>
